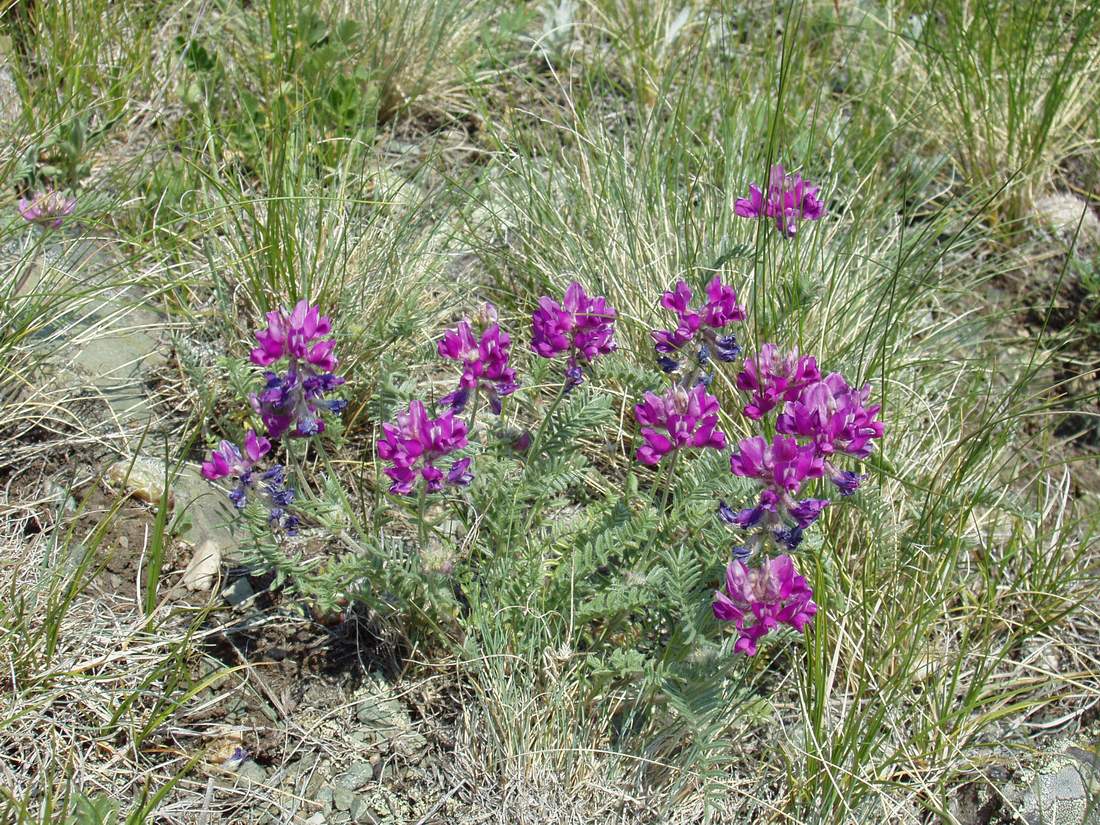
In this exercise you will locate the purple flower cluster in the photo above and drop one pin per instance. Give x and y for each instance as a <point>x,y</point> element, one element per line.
<point>289,402</point>
<point>582,326</point>
<point>293,401</point>
<point>229,461</point>
<point>820,419</point>
<point>772,377</point>
<point>679,418</point>
<point>720,310</point>
<point>817,420</point>
<point>48,208</point>
<point>484,361</point>
<point>788,200</point>
<point>758,600</point>
<point>579,325</point>
<point>415,442</point>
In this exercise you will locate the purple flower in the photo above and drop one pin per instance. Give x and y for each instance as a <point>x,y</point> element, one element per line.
<point>415,442</point>
<point>484,362</point>
<point>781,467</point>
<point>789,199</point>
<point>758,600</point>
<point>294,401</point>
<point>47,209</point>
<point>685,418</point>
<point>227,460</point>
<point>833,415</point>
<point>581,326</point>
<point>846,481</point>
<point>720,310</point>
<point>293,335</point>
<point>806,511</point>
<point>772,377</point>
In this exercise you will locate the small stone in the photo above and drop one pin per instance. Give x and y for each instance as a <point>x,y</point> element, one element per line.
<point>360,809</point>
<point>238,592</point>
<point>355,777</point>
<point>325,797</point>
<point>342,798</point>
<point>1062,212</point>
<point>143,478</point>
<point>252,771</point>
<point>1067,791</point>
<point>317,819</point>
<point>204,566</point>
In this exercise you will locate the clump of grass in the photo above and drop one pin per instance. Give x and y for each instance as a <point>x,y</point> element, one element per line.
<point>84,676</point>
<point>1010,85</point>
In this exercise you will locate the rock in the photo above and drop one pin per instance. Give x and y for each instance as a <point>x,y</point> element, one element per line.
<point>360,810</point>
<point>238,592</point>
<point>205,563</point>
<point>1066,791</point>
<point>142,477</point>
<point>1061,212</point>
<point>355,777</point>
<point>325,797</point>
<point>342,798</point>
<point>317,819</point>
<point>253,772</point>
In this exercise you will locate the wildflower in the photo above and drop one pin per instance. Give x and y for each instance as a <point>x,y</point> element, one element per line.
<point>293,335</point>
<point>758,600</point>
<point>720,310</point>
<point>772,377</point>
<point>48,208</point>
<point>833,415</point>
<point>296,399</point>
<point>789,199</point>
<point>293,401</point>
<point>228,460</point>
<point>415,442</point>
<point>581,326</point>
<point>686,418</point>
<point>484,362</point>
<point>781,467</point>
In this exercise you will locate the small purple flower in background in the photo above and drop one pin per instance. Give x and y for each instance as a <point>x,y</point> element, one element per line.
<point>758,600</point>
<point>580,325</point>
<point>229,461</point>
<point>685,418</point>
<point>720,310</point>
<point>415,442</point>
<point>294,401</point>
<point>47,209</point>
<point>484,362</point>
<point>772,377</point>
<point>781,466</point>
<point>789,199</point>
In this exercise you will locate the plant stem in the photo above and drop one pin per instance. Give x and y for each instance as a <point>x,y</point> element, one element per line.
<point>670,479</point>
<point>421,506</point>
<point>473,413</point>
<point>541,432</point>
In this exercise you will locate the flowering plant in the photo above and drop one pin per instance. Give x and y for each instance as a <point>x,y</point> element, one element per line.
<point>47,208</point>
<point>788,200</point>
<point>291,402</point>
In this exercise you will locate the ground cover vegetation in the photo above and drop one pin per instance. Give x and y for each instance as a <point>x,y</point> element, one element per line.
<point>580,411</point>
